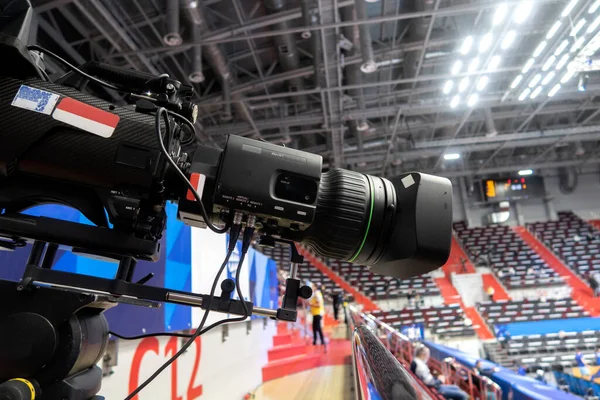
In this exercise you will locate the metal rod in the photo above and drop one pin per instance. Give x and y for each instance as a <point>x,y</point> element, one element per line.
<point>265,312</point>
<point>185,299</point>
<point>293,270</point>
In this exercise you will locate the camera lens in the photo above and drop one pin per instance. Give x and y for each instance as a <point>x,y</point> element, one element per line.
<point>400,227</point>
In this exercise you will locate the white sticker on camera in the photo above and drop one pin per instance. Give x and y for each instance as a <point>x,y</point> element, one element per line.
<point>34,99</point>
<point>408,181</point>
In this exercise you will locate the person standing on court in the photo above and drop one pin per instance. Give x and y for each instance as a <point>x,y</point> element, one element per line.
<point>317,309</point>
<point>337,302</point>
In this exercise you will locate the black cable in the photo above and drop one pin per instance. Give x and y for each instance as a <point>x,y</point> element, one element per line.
<point>182,335</point>
<point>75,69</point>
<point>235,231</point>
<point>160,112</point>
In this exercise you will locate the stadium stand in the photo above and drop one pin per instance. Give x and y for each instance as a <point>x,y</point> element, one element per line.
<point>503,312</point>
<point>573,240</point>
<point>446,321</point>
<point>507,255</point>
<point>380,287</point>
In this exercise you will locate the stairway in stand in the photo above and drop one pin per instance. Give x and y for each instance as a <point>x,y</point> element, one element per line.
<point>595,223</point>
<point>581,292</point>
<point>454,263</point>
<point>500,293</point>
<point>451,296</point>
<point>292,352</point>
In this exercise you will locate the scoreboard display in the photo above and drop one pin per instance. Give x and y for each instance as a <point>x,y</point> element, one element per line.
<point>496,190</point>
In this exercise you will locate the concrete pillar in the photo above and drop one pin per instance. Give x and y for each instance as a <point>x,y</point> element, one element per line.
<point>550,209</point>
<point>464,198</point>
<point>519,214</point>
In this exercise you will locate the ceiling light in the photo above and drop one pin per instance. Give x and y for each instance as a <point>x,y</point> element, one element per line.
<point>466,46</point>
<point>522,11</point>
<point>516,82</point>
<point>536,79</point>
<point>567,76</point>
<point>561,47</point>
<point>548,78</point>
<point>528,65</point>
<point>500,14</point>
<point>536,92</point>
<point>473,99</point>
<point>448,87</point>
<point>455,101</point>
<point>508,40</point>
<point>562,62</point>
<point>525,172</point>
<point>473,65</point>
<point>524,94</point>
<point>456,67</point>
<point>462,86</point>
<point>594,25</point>
<point>569,8</point>
<point>578,27</point>
<point>482,83</point>
<point>553,91</point>
<point>485,42</point>
<point>578,43</point>
<point>494,62</point>
<point>538,50</point>
<point>548,63</point>
<point>594,7</point>
<point>553,30</point>
<point>451,156</point>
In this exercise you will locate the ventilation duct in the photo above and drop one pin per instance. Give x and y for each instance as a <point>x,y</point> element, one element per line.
<point>418,32</point>
<point>197,76</point>
<point>490,125</point>
<point>567,180</point>
<point>366,47</point>
<point>172,37</point>
<point>215,57</point>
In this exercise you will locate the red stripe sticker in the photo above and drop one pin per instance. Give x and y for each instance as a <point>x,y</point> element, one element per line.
<point>89,112</point>
<point>197,181</point>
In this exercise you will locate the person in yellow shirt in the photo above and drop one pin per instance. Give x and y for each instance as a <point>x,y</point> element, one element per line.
<point>317,309</point>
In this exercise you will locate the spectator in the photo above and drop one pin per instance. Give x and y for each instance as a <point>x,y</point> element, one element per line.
<point>589,394</point>
<point>463,264</point>
<point>317,309</point>
<point>597,374</point>
<point>522,371</point>
<point>501,274</point>
<point>593,284</point>
<point>423,372</point>
<point>490,292</point>
<point>582,364</point>
<point>411,298</point>
<point>511,271</point>
<point>337,302</point>
<point>478,370</point>
<point>539,376</point>
<point>562,385</point>
<point>419,302</point>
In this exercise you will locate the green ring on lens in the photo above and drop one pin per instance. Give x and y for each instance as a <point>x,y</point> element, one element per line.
<point>368,223</point>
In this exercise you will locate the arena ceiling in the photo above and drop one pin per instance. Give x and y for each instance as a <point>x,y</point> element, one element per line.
<point>458,88</point>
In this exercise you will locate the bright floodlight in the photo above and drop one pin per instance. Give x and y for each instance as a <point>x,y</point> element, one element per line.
<point>516,82</point>
<point>494,62</point>
<point>578,43</point>
<point>578,27</point>
<point>535,80</point>
<point>485,42</point>
<point>463,85</point>
<point>466,46</point>
<point>473,99</point>
<point>553,91</point>
<point>508,40</point>
<point>473,65</point>
<point>525,172</point>
<point>536,92</point>
<point>500,14</point>
<point>482,83</point>
<point>594,25</point>
<point>524,94</point>
<point>548,78</point>
<point>567,76</point>
<point>522,11</point>
<point>456,67</point>
<point>561,47</point>
<point>528,65</point>
<point>553,30</point>
<point>451,156</point>
<point>448,87</point>
<point>548,63</point>
<point>562,62</point>
<point>538,50</point>
<point>594,7</point>
<point>455,101</point>
<point>569,8</point>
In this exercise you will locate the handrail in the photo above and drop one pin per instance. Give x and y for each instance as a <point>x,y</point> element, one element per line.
<point>400,346</point>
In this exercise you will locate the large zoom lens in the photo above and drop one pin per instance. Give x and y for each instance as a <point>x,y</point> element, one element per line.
<point>400,227</point>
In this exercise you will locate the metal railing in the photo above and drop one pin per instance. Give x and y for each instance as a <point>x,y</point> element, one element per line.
<point>364,329</point>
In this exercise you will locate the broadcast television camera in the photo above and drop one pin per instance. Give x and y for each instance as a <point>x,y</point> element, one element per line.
<point>119,165</point>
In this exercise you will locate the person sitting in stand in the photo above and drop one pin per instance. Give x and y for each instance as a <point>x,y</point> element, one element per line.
<point>582,364</point>
<point>478,370</point>
<point>422,371</point>
<point>597,374</point>
<point>522,371</point>
<point>539,376</point>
